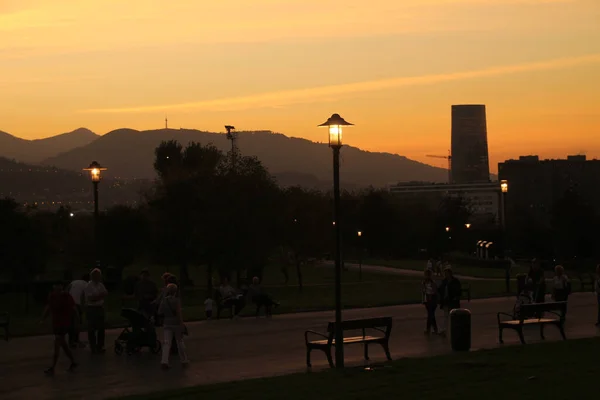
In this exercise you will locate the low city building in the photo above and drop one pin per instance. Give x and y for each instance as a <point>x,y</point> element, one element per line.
<point>484,198</point>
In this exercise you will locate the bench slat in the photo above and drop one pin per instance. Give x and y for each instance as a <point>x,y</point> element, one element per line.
<point>530,321</point>
<point>349,340</point>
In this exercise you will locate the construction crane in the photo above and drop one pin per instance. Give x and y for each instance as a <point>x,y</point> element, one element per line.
<point>449,158</point>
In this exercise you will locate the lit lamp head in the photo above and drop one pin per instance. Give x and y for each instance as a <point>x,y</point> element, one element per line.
<point>95,171</point>
<point>504,186</point>
<point>467,226</point>
<point>359,233</point>
<point>447,229</point>
<point>335,123</point>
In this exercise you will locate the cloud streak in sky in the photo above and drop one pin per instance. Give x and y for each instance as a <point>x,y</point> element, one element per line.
<point>330,93</point>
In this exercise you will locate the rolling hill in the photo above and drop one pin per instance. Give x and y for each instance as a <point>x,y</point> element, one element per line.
<point>129,153</point>
<point>35,151</point>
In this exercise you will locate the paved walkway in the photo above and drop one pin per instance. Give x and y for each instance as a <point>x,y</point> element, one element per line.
<point>405,272</point>
<point>229,350</point>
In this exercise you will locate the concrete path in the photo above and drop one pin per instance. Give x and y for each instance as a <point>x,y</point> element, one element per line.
<point>230,350</point>
<point>405,272</point>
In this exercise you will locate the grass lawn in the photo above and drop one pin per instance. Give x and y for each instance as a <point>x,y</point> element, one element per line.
<point>318,294</point>
<point>419,265</point>
<point>560,370</point>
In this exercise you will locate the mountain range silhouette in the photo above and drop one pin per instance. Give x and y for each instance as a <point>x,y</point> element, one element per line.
<point>129,153</point>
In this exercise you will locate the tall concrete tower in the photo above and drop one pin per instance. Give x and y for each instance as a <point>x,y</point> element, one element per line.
<point>470,162</point>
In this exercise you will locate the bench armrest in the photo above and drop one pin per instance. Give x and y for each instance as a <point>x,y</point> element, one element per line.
<point>557,314</point>
<point>314,333</point>
<point>502,313</point>
<point>380,330</point>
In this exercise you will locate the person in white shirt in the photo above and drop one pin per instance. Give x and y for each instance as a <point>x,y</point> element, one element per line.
<point>95,292</point>
<point>208,307</point>
<point>76,290</point>
<point>561,285</point>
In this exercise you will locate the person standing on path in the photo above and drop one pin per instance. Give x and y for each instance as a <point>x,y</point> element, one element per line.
<point>208,307</point>
<point>598,292</point>
<point>95,292</point>
<point>61,306</point>
<point>76,290</point>
<point>146,292</point>
<point>430,300</point>
<point>561,286</point>
<point>450,292</point>
<point>536,274</point>
<point>174,328</point>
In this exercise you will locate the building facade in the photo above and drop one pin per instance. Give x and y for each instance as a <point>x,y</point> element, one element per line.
<point>469,146</point>
<point>536,185</point>
<point>483,198</point>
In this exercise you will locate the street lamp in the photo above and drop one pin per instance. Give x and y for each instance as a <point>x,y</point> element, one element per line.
<point>467,226</point>
<point>335,125</point>
<point>359,235</point>
<point>447,229</point>
<point>503,191</point>
<point>95,170</point>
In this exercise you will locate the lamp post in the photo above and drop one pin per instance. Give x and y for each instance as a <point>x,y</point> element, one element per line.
<point>359,235</point>
<point>335,125</point>
<point>95,170</point>
<point>232,136</point>
<point>503,191</point>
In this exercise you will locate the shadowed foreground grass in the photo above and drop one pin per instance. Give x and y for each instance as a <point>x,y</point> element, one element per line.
<point>560,370</point>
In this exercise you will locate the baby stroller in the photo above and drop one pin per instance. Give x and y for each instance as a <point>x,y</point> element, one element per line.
<point>140,333</point>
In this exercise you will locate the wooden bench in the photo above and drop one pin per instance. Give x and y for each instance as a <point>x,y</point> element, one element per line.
<point>383,327</point>
<point>533,314</point>
<point>4,324</point>
<point>586,280</point>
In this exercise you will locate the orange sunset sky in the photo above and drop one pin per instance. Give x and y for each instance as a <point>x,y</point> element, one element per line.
<point>392,67</point>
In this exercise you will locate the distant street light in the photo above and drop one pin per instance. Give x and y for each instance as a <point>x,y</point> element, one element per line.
<point>335,125</point>
<point>447,229</point>
<point>467,226</point>
<point>503,191</point>
<point>360,250</point>
<point>95,170</point>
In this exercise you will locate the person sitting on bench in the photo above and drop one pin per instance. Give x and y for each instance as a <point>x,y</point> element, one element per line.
<point>231,298</point>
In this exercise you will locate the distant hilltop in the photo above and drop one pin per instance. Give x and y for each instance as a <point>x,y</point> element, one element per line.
<point>129,153</point>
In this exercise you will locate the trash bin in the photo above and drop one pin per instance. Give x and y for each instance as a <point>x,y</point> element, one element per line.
<point>460,329</point>
<point>521,279</point>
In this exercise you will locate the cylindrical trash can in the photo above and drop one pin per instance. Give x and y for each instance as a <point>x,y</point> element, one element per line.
<point>460,329</point>
<point>521,279</point>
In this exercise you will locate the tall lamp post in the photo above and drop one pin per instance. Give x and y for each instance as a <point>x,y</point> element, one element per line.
<point>359,235</point>
<point>232,136</point>
<point>335,125</point>
<point>503,191</point>
<point>95,170</point>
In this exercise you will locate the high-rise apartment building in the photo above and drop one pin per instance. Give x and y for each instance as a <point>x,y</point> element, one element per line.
<point>470,162</point>
<point>536,185</point>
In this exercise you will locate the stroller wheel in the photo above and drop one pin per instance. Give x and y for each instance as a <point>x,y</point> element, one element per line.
<point>157,347</point>
<point>118,348</point>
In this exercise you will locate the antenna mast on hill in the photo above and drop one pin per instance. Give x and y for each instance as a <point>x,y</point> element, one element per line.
<point>166,123</point>
<point>232,135</point>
